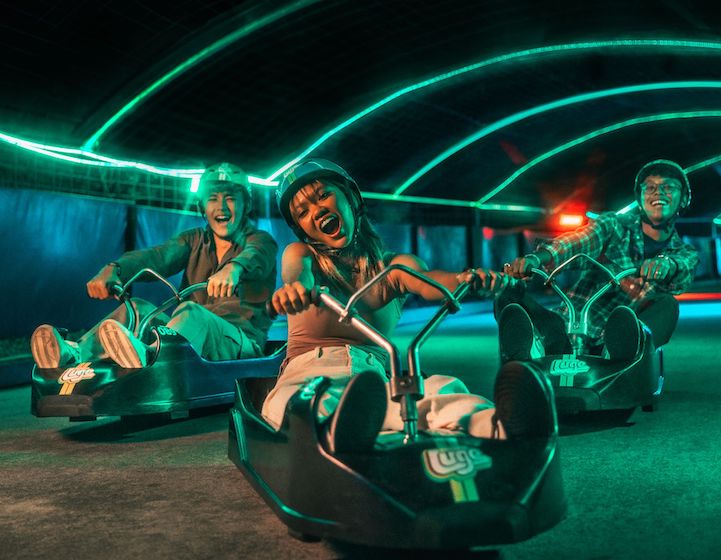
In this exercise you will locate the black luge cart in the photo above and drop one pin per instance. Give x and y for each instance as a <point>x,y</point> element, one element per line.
<point>412,490</point>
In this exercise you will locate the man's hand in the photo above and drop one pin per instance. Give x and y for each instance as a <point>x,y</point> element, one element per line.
<point>291,298</point>
<point>224,282</point>
<point>521,266</point>
<point>482,280</point>
<point>658,268</point>
<point>99,285</point>
<point>634,287</point>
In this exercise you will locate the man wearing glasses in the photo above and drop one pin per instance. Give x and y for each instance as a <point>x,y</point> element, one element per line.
<point>644,238</point>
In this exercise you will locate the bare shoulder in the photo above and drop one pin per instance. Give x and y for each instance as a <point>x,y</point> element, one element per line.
<point>296,250</point>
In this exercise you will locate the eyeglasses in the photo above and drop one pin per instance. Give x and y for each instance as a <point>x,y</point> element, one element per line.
<point>667,188</point>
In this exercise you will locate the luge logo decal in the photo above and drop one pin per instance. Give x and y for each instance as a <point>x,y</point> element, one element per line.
<point>455,462</point>
<point>457,466</point>
<point>77,373</point>
<point>566,368</point>
<point>72,376</point>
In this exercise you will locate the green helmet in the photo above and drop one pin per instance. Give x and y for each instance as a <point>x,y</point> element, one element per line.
<point>664,168</point>
<point>307,171</point>
<point>224,176</point>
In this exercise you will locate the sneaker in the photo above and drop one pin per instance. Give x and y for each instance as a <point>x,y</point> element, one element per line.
<point>516,336</point>
<point>359,415</point>
<point>524,401</point>
<point>50,350</point>
<point>121,345</point>
<point>622,334</point>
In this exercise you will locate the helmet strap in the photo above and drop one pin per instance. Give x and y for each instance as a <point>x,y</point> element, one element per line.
<point>666,225</point>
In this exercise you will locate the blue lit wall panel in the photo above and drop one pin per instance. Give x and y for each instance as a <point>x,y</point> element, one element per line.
<point>443,247</point>
<point>704,246</point>
<point>154,227</point>
<point>50,246</point>
<point>397,237</point>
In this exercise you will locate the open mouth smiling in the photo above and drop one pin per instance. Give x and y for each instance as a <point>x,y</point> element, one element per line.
<point>330,224</point>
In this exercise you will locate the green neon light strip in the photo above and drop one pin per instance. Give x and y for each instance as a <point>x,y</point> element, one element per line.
<point>215,47</point>
<point>595,134</point>
<point>89,158</point>
<point>510,57</point>
<point>627,208</point>
<point>511,208</point>
<point>702,164</point>
<point>421,200</point>
<point>453,202</point>
<point>516,117</point>
<point>97,160</point>
<point>61,153</point>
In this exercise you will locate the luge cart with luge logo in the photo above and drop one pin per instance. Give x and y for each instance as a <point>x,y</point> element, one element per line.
<point>584,382</point>
<point>412,490</point>
<point>176,381</point>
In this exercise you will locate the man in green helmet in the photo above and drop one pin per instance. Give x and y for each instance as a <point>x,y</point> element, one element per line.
<point>226,321</point>
<point>644,238</point>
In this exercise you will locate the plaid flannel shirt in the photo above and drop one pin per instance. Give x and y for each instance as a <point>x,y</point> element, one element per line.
<point>616,241</point>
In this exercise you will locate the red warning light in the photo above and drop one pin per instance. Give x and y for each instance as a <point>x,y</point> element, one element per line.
<point>570,220</point>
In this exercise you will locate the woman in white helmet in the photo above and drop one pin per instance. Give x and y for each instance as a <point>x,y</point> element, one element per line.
<point>227,321</point>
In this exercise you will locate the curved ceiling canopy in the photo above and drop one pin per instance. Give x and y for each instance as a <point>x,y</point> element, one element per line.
<point>486,105</point>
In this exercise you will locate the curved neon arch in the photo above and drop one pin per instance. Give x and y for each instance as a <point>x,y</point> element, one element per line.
<point>225,41</point>
<point>539,109</point>
<point>208,51</point>
<point>591,135</point>
<point>514,56</point>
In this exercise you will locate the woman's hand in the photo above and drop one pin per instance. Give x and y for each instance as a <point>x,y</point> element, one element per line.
<point>292,298</point>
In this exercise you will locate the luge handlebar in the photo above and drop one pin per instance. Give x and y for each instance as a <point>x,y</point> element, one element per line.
<point>405,388</point>
<point>578,328</point>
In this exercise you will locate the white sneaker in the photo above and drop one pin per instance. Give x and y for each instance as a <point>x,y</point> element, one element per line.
<point>50,350</point>
<point>122,346</point>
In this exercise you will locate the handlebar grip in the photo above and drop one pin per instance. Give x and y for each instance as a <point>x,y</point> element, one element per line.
<point>315,292</point>
<point>314,299</point>
<point>116,289</point>
<point>270,310</point>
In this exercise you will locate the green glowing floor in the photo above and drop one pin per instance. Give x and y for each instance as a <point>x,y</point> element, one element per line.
<point>648,485</point>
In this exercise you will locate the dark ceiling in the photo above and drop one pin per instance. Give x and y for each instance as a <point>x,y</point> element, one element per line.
<point>293,71</point>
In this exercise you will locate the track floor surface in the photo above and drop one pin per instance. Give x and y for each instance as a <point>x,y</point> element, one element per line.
<point>639,484</point>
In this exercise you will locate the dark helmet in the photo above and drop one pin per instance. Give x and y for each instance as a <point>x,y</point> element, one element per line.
<point>307,171</point>
<point>664,168</point>
<point>224,176</point>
